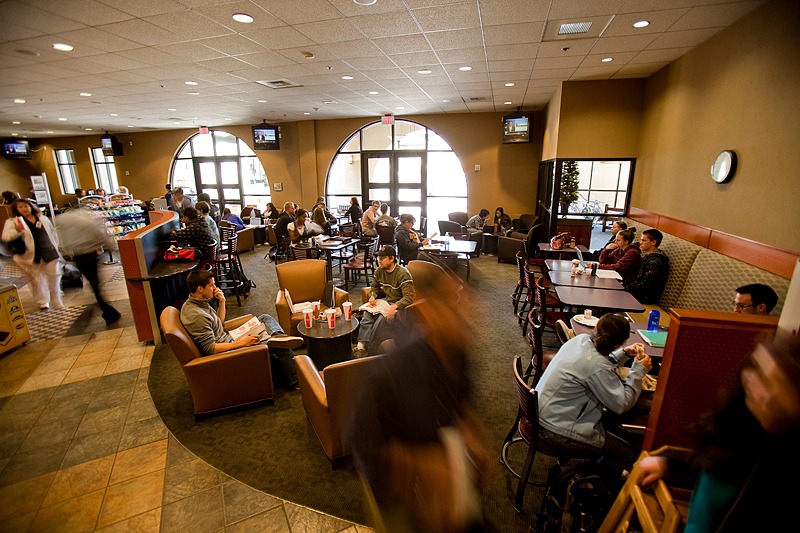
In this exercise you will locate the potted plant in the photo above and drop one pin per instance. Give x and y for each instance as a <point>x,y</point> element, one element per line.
<point>569,185</point>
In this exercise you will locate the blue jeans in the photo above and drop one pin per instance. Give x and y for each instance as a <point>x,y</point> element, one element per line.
<point>282,357</point>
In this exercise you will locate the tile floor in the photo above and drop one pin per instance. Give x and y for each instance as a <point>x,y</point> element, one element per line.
<point>82,447</point>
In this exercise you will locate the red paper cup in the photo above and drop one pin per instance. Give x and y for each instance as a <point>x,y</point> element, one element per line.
<point>347,310</point>
<point>316,307</point>
<point>331,315</point>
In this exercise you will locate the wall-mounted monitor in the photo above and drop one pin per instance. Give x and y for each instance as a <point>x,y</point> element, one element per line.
<point>266,137</point>
<point>16,149</point>
<point>111,146</point>
<point>517,128</point>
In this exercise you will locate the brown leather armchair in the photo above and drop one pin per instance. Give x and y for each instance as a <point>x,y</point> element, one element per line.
<point>229,379</point>
<point>329,396</point>
<point>305,279</point>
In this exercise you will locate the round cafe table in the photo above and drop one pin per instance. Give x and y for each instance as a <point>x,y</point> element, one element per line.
<point>327,346</point>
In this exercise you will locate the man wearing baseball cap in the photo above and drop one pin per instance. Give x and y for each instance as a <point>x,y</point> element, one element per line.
<point>393,283</point>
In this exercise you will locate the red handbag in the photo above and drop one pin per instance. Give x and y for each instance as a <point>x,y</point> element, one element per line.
<point>181,254</point>
<point>559,241</point>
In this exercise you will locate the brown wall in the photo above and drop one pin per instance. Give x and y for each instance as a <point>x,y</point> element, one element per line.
<point>15,174</point>
<point>738,90</point>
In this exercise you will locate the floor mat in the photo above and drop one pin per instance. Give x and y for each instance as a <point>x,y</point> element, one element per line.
<point>53,323</point>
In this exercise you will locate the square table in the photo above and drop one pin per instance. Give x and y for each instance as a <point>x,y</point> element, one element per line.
<point>334,245</point>
<point>607,300</point>
<point>546,250</point>
<point>565,278</point>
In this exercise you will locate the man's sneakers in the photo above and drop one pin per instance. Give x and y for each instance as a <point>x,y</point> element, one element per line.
<point>563,332</point>
<point>282,340</point>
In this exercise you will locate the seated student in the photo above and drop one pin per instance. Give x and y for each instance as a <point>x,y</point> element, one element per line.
<point>204,324</point>
<point>282,225</point>
<point>300,229</point>
<point>328,215</point>
<point>271,212</point>
<point>178,202</point>
<point>393,283</point>
<point>745,452</point>
<point>233,219</point>
<point>354,212</point>
<point>197,233</point>
<point>618,226</point>
<point>318,219</point>
<point>204,209</point>
<point>755,299</point>
<point>622,256</point>
<point>581,382</point>
<point>408,241</point>
<point>477,222</point>
<point>384,219</point>
<point>368,220</point>
<point>502,222</point>
<point>213,210</point>
<point>648,286</point>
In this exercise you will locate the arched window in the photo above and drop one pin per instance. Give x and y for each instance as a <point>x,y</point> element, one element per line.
<point>404,164</point>
<point>223,166</point>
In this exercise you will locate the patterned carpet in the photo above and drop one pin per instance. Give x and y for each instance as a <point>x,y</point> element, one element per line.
<point>274,448</point>
<point>53,323</point>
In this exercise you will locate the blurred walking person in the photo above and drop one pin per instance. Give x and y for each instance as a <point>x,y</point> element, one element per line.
<point>83,236</point>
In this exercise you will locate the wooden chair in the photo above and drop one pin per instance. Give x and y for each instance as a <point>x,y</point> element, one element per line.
<point>658,509</point>
<point>537,363</point>
<point>220,381</point>
<point>423,227</point>
<point>228,272</point>
<point>608,221</point>
<point>385,235</point>
<point>362,262</point>
<point>522,290</point>
<point>526,426</point>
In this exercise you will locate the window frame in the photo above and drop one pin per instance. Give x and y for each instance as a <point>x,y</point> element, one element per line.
<point>111,169</point>
<point>70,166</point>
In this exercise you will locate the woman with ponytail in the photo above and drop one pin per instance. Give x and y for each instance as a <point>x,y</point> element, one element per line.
<point>581,382</point>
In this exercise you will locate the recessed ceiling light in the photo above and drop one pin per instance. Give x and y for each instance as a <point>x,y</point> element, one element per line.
<point>62,119</point>
<point>113,114</point>
<point>373,92</point>
<point>244,18</point>
<point>306,113</point>
<point>262,101</point>
<point>16,122</point>
<point>400,108</point>
<point>193,93</point>
<point>176,123</point>
<point>130,125</point>
<point>308,55</point>
<point>445,101</point>
<point>86,94</point>
<point>228,119</point>
<point>63,47</point>
<point>607,59</point>
<point>190,82</point>
<point>641,24</point>
<point>424,71</point>
<point>509,84</point>
<point>328,102</point>
<point>347,77</point>
<point>15,134</point>
<point>49,131</point>
<point>88,129</point>
<point>19,101</point>
<point>464,68</point>
<point>365,2</point>
<point>507,103</point>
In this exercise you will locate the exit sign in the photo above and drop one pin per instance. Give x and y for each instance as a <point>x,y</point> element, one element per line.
<point>387,119</point>
<point>203,130</point>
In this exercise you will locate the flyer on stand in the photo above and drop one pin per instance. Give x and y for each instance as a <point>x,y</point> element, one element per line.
<point>381,307</point>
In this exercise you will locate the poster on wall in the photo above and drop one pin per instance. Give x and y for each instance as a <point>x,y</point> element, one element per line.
<point>39,183</point>
<point>41,197</point>
<point>41,193</point>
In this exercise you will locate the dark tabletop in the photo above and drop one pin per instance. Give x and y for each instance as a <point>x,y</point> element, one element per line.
<point>584,297</point>
<point>320,330</point>
<point>563,277</point>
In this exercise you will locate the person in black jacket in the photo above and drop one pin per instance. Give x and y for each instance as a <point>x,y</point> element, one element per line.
<point>355,212</point>
<point>649,283</point>
<point>746,453</point>
<point>287,217</point>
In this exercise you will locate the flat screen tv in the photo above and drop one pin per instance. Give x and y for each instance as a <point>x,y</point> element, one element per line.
<point>266,137</point>
<point>111,146</point>
<point>16,149</point>
<point>517,128</point>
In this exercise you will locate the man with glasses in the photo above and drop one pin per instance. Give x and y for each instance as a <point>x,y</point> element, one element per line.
<point>369,218</point>
<point>755,299</point>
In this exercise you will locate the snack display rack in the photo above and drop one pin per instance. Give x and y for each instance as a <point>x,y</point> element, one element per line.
<point>121,213</point>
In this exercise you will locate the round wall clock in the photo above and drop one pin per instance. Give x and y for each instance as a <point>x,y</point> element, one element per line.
<point>724,166</point>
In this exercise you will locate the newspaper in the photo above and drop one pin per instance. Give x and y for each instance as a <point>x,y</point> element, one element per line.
<point>301,307</point>
<point>381,308</point>
<point>252,327</point>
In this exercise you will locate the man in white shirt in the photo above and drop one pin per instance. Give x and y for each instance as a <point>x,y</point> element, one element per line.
<point>369,218</point>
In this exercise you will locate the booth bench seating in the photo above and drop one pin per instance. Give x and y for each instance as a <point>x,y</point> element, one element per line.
<point>701,278</point>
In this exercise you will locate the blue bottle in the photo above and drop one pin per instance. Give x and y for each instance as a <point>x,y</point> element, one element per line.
<point>652,320</point>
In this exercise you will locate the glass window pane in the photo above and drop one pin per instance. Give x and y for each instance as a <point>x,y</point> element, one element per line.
<point>202,146</point>
<point>378,169</point>
<point>382,195</point>
<point>226,143</point>
<point>585,176</point>
<point>254,179</point>
<point>182,172</point>
<point>435,142</point>
<point>230,172</point>
<point>344,177</point>
<point>605,175</point>
<point>186,151</point>
<point>409,136</point>
<point>413,210</point>
<point>438,208</point>
<point>208,173</point>
<point>259,201</point>
<point>445,175</point>
<point>231,194</point>
<point>338,204</point>
<point>212,193</point>
<point>245,150</point>
<point>353,144</point>
<point>409,169</point>
<point>377,137</point>
<point>409,195</point>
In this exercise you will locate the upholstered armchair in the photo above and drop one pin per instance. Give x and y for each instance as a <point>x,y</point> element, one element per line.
<point>459,217</point>
<point>305,279</point>
<point>329,396</point>
<point>228,379</point>
<point>246,236</point>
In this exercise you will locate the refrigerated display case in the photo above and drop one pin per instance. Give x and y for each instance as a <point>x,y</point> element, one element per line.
<point>13,325</point>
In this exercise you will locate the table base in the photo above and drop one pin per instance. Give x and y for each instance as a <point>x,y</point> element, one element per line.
<point>327,351</point>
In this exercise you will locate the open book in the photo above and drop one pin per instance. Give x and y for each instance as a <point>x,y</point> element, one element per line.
<point>656,339</point>
<point>301,307</point>
<point>252,327</point>
<point>381,307</point>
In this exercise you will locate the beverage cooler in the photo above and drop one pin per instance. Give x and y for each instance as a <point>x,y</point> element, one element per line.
<point>13,326</point>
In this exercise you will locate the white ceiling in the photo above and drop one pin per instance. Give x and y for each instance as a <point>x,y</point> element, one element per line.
<point>134,57</point>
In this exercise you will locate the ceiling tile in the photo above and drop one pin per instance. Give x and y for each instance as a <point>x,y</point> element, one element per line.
<point>658,56</point>
<point>512,51</point>
<point>528,32</point>
<point>449,17</point>
<point>714,16</point>
<point>146,8</point>
<point>406,43</point>
<point>497,12</point>
<point>682,39</point>
<point>455,39</point>
<point>279,38</point>
<point>232,44</point>
<point>609,45</point>
<point>143,32</point>
<point>414,59</point>
<point>328,31</point>
<point>386,25</point>
<point>569,9</point>
<point>21,14</point>
<point>88,12</point>
<point>223,13</point>
<point>189,25</point>
<point>660,21</point>
<point>511,65</point>
<point>190,50</point>
<point>354,48</point>
<point>463,56</point>
<point>300,11</point>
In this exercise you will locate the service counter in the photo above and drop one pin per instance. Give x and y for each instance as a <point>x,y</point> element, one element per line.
<point>152,283</point>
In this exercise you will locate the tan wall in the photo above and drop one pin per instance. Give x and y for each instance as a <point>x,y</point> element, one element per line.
<point>738,90</point>
<point>15,174</point>
<point>552,125</point>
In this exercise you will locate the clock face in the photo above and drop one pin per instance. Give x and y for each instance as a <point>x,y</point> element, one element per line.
<point>724,166</point>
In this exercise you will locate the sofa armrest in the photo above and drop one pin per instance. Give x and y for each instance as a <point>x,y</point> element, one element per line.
<point>282,310</point>
<point>234,323</point>
<point>247,239</point>
<point>340,296</point>
<point>315,404</point>
<point>365,294</point>
<point>507,248</point>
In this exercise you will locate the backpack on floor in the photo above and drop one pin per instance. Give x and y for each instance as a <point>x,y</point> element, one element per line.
<point>577,500</point>
<point>71,276</point>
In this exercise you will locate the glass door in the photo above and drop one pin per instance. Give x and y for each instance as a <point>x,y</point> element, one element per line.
<point>397,178</point>
<point>221,179</point>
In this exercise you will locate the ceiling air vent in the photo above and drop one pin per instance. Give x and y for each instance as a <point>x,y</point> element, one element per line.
<point>282,83</point>
<point>475,99</point>
<point>572,28</point>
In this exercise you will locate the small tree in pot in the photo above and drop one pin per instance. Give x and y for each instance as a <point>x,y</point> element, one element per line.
<point>569,185</point>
